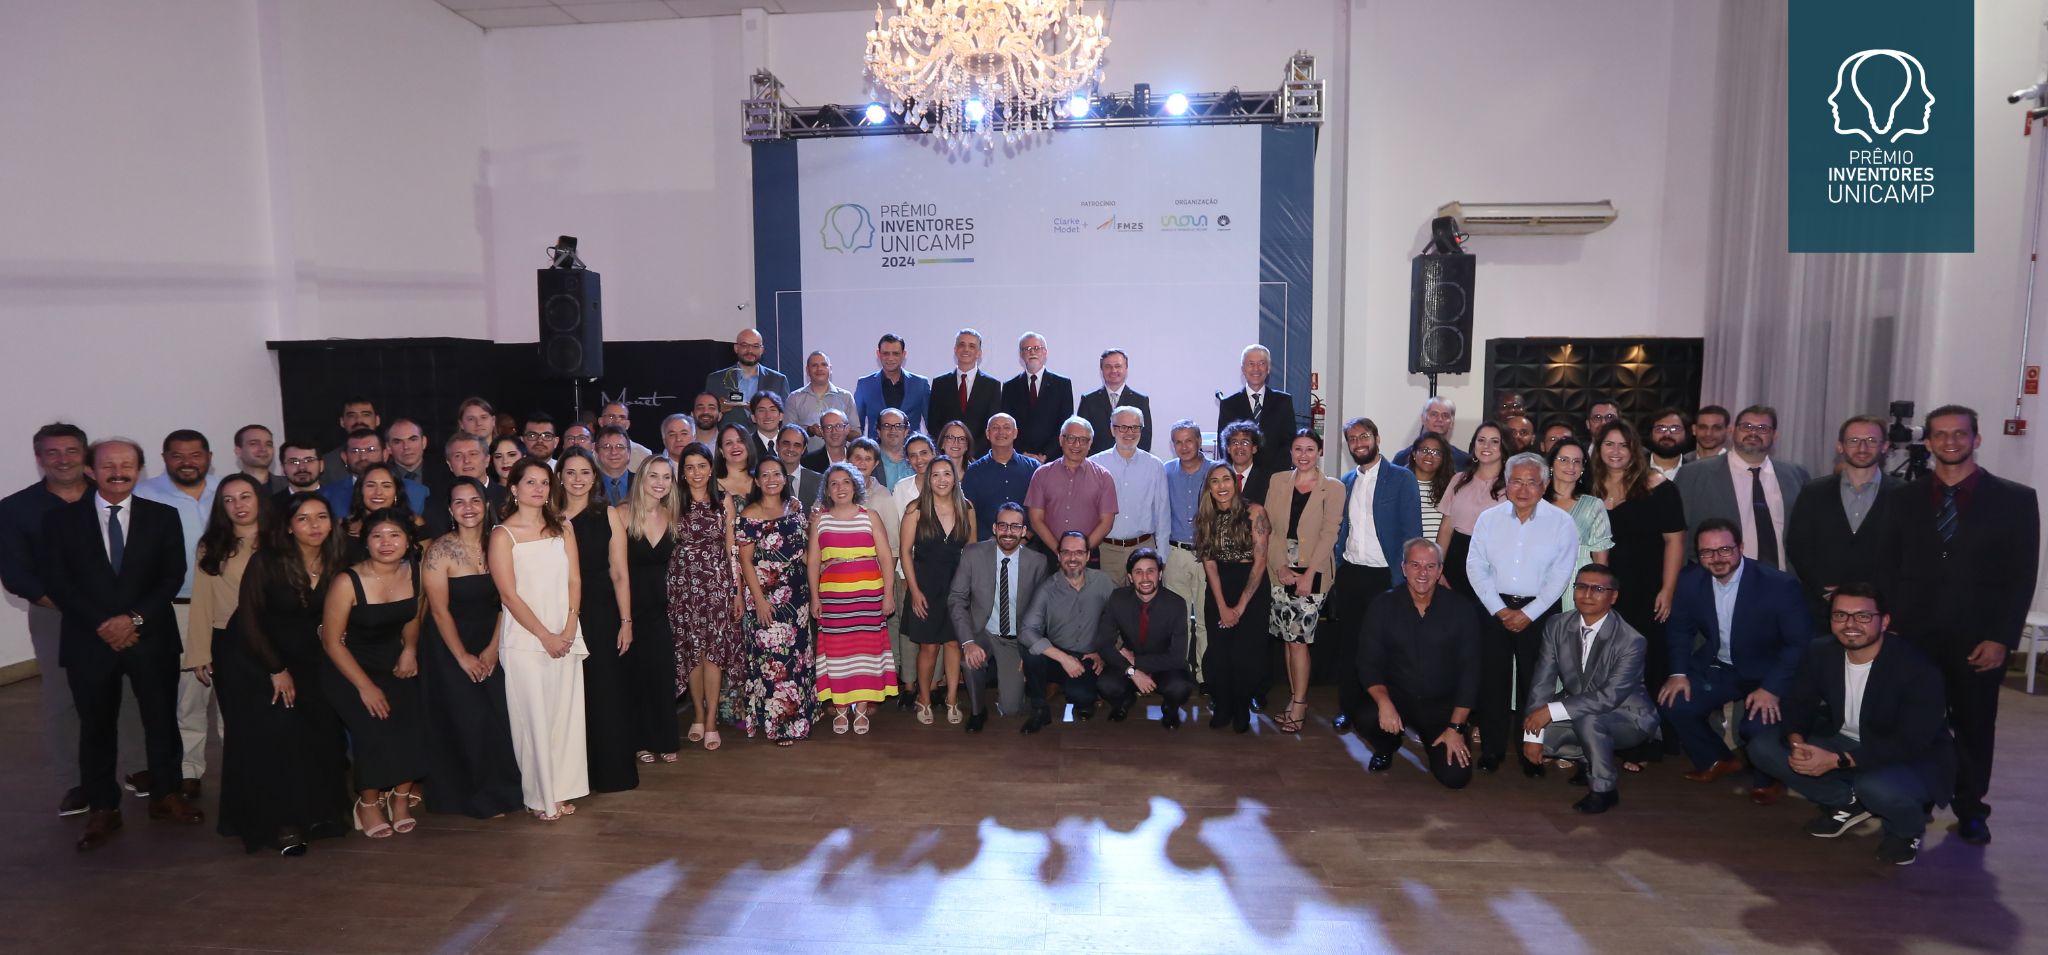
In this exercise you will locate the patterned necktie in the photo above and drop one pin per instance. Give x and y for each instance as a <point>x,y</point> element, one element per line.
<point>1003,597</point>
<point>1258,405</point>
<point>1766,533</point>
<point>115,543</point>
<point>1945,519</point>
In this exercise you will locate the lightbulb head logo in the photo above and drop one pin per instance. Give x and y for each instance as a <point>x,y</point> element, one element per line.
<point>848,227</point>
<point>1886,118</point>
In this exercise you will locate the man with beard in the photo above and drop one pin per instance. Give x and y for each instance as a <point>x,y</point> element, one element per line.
<point>113,564</point>
<point>303,468</point>
<point>255,452</point>
<point>1601,411</point>
<point>890,387</point>
<point>1965,549</point>
<point>1709,434</point>
<point>808,404</point>
<point>357,411</point>
<point>1842,523</point>
<point>1038,400</point>
<point>579,435</point>
<point>1521,433</point>
<point>735,385</point>
<point>1062,635</point>
<point>187,486</point>
<point>1146,626</point>
<point>1143,517</point>
<point>1555,432</point>
<point>1664,440</point>
<point>1749,488</point>
<point>538,432</point>
<point>1863,733</point>
<point>991,587</point>
<point>363,450</point>
<point>705,414</point>
<point>1382,508</point>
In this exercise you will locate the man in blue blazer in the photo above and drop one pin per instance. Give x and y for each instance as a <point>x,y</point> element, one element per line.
<point>1382,512</point>
<point>891,387</point>
<point>1738,630</point>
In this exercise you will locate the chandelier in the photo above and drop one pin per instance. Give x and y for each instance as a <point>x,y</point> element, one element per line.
<point>961,68</point>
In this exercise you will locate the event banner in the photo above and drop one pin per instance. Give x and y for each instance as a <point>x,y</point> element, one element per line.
<point>1141,239</point>
<point>1880,126</point>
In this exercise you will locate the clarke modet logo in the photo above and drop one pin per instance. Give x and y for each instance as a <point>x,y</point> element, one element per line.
<point>1872,169</point>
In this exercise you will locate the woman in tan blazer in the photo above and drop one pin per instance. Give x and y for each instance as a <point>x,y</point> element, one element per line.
<point>1305,507</point>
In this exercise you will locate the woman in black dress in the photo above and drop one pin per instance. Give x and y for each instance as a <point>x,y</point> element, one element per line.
<point>605,619</point>
<point>1231,538</point>
<point>473,769</point>
<point>371,631</point>
<point>1647,521</point>
<point>648,524</point>
<point>283,770</point>
<point>932,546</point>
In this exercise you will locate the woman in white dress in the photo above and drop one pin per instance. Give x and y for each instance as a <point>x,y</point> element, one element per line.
<point>533,562</point>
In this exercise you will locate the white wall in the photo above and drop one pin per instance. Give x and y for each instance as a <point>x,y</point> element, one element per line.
<point>187,181</point>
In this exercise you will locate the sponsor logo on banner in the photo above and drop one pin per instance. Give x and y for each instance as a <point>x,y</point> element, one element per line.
<point>1066,225</point>
<point>907,234</point>
<point>1881,134</point>
<point>1115,224</point>
<point>1183,222</point>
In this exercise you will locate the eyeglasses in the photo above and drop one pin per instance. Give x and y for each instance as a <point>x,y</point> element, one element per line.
<point>1594,589</point>
<point>895,427</point>
<point>1708,553</point>
<point>1756,427</point>
<point>1862,442</point>
<point>1074,437</point>
<point>832,427</point>
<point>537,435</point>
<point>1032,349</point>
<point>1238,443</point>
<point>1429,453</point>
<point>1668,429</point>
<point>1525,482</point>
<point>299,462</point>
<point>1129,428</point>
<point>1860,616</point>
<point>1008,526</point>
<point>1602,418</point>
<point>611,447</point>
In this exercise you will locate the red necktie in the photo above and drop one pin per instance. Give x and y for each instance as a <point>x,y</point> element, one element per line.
<point>1240,481</point>
<point>963,392</point>
<point>1144,623</point>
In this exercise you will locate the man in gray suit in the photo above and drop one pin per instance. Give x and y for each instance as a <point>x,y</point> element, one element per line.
<point>1747,486</point>
<point>991,590</point>
<point>1587,698</point>
<point>789,447</point>
<point>736,385</point>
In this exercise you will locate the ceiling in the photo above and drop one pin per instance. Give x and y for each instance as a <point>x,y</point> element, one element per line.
<point>495,14</point>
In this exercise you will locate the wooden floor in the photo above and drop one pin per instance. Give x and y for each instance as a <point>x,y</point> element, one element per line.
<point>1094,837</point>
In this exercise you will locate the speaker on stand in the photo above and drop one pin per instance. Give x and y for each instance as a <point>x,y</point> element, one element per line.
<point>571,320</point>
<point>1440,314</point>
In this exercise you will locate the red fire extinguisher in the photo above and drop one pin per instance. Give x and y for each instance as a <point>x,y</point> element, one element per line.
<point>1316,412</point>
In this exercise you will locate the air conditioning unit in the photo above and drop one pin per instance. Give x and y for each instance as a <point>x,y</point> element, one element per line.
<point>1530,218</point>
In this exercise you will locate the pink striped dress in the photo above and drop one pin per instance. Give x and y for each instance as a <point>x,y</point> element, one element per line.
<point>854,665</point>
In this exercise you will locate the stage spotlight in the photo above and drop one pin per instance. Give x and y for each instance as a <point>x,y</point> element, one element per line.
<point>562,255</point>
<point>1177,104</point>
<point>877,114</point>
<point>976,111</point>
<point>1077,107</point>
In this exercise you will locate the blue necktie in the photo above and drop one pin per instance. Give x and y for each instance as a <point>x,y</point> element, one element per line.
<point>1945,519</point>
<point>115,544</point>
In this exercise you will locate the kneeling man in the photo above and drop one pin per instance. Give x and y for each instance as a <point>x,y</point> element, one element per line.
<point>1586,695</point>
<point>1147,625</point>
<point>1418,658</point>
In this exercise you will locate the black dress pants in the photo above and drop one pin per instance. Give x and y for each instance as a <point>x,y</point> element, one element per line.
<point>1507,661</point>
<point>1174,687</point>
<point>152,672</point>
<point>1354,590</point>
<point>1428,720</point>
<point>1041,672</point>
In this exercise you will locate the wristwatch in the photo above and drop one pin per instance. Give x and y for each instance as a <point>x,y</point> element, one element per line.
<point>1130,671</point>
<point>136,619</point>
<point>1462,728</point>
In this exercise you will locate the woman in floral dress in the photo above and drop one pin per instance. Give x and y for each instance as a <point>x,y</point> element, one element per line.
<point>703,596</point>
<point>781,682</point>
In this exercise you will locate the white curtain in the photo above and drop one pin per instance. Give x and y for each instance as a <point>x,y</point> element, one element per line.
<point>1820,337</point>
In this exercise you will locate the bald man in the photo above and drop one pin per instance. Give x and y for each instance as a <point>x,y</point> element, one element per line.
<point>736,385</point>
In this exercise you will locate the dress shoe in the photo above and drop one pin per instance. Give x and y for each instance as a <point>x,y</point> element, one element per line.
<point>1532,770</point>
<point>1218,717</point>
<point>1341,723</point>
<point>1241,723</point>
<point>137,783</point>
<point>190,789</point>
<point>175,808</point>
<point>976,721</point>
<point>1579,776</point>
<point>1597,802</point>
<point>1084,713</point>
<point>1489,764</point>
<point>1379,762</point>
<point>1732,764</point>
<point>1767,795</point>
<point>74,803</point>
<point>1171,718</point>
<point>99,827</point>
<point>1119,712</point>
<point>1974,831</point>
<point>1038,721</point>
<point>907,699</point>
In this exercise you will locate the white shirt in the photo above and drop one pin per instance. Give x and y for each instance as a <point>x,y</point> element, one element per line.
<point>1532,558</point>
<point>905,494</point>
<point>1670,472</point>
<point>1738,474</point>
<point>1855,676</point>
<point>1143,505</point>
<point>995,609</point>
<point>1724,612</point>
<point>127,508</point>
<point>1363,546</point>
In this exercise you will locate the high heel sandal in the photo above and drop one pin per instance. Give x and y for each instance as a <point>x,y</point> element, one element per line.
<point>1293,725</point>
<point>566,808</point>
<point>381,830</point>
<point>696,732</point>
<point>644,756</point>
<point>860,723</point>
<point>839,722</point>
<point>668,757</point>
<point>952,713</point>
<point>924,713</point>
<point>712,740</point>
<point>545,816</point>
<point>409,823</point>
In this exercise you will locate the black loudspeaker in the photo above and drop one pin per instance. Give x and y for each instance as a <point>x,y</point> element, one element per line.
<point>1440,314</point>
<point>571,324</point>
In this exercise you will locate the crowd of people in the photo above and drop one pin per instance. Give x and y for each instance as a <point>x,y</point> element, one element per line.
<point>513,626</point>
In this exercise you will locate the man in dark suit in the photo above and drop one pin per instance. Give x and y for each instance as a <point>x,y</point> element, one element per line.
<point>1097,405</point>
<point>1269,408</point>
<point>1147,625</point>
<point>1842,522</point>
<point>1440,416</point>
<point>1966,549</point>
<point>966,394</point>
<point>992,588</point>
<point>1587,698</point>
<point>115,562</point>
<point>891,387</point>
<point>1382,510</point>
<point>736,385</point>
<point>1738,630</point>
<point>1749,487</point>
<point>1864,731</point>
<point>1040,401</point>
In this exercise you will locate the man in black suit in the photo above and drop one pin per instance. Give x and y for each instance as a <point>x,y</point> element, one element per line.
<point>1965,551</point>
<point>966,394</point>
<point>1147,625</point>
<point>115,562</point>
<point>1097,405</point>
<point>1840,523</point>
<point>1863,733</point>
<point>1040,401</point>
<point>1269,408</point>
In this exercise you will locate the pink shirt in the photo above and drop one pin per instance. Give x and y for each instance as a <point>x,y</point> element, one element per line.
<point>1462,505</point>
<point>1074,498</point>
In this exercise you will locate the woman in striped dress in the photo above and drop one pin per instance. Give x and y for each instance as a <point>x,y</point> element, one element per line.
<point>1430,458</point>
<point>850,602</point>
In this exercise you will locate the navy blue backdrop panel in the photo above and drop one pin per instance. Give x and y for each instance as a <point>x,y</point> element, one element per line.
<point>1286,253</point>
